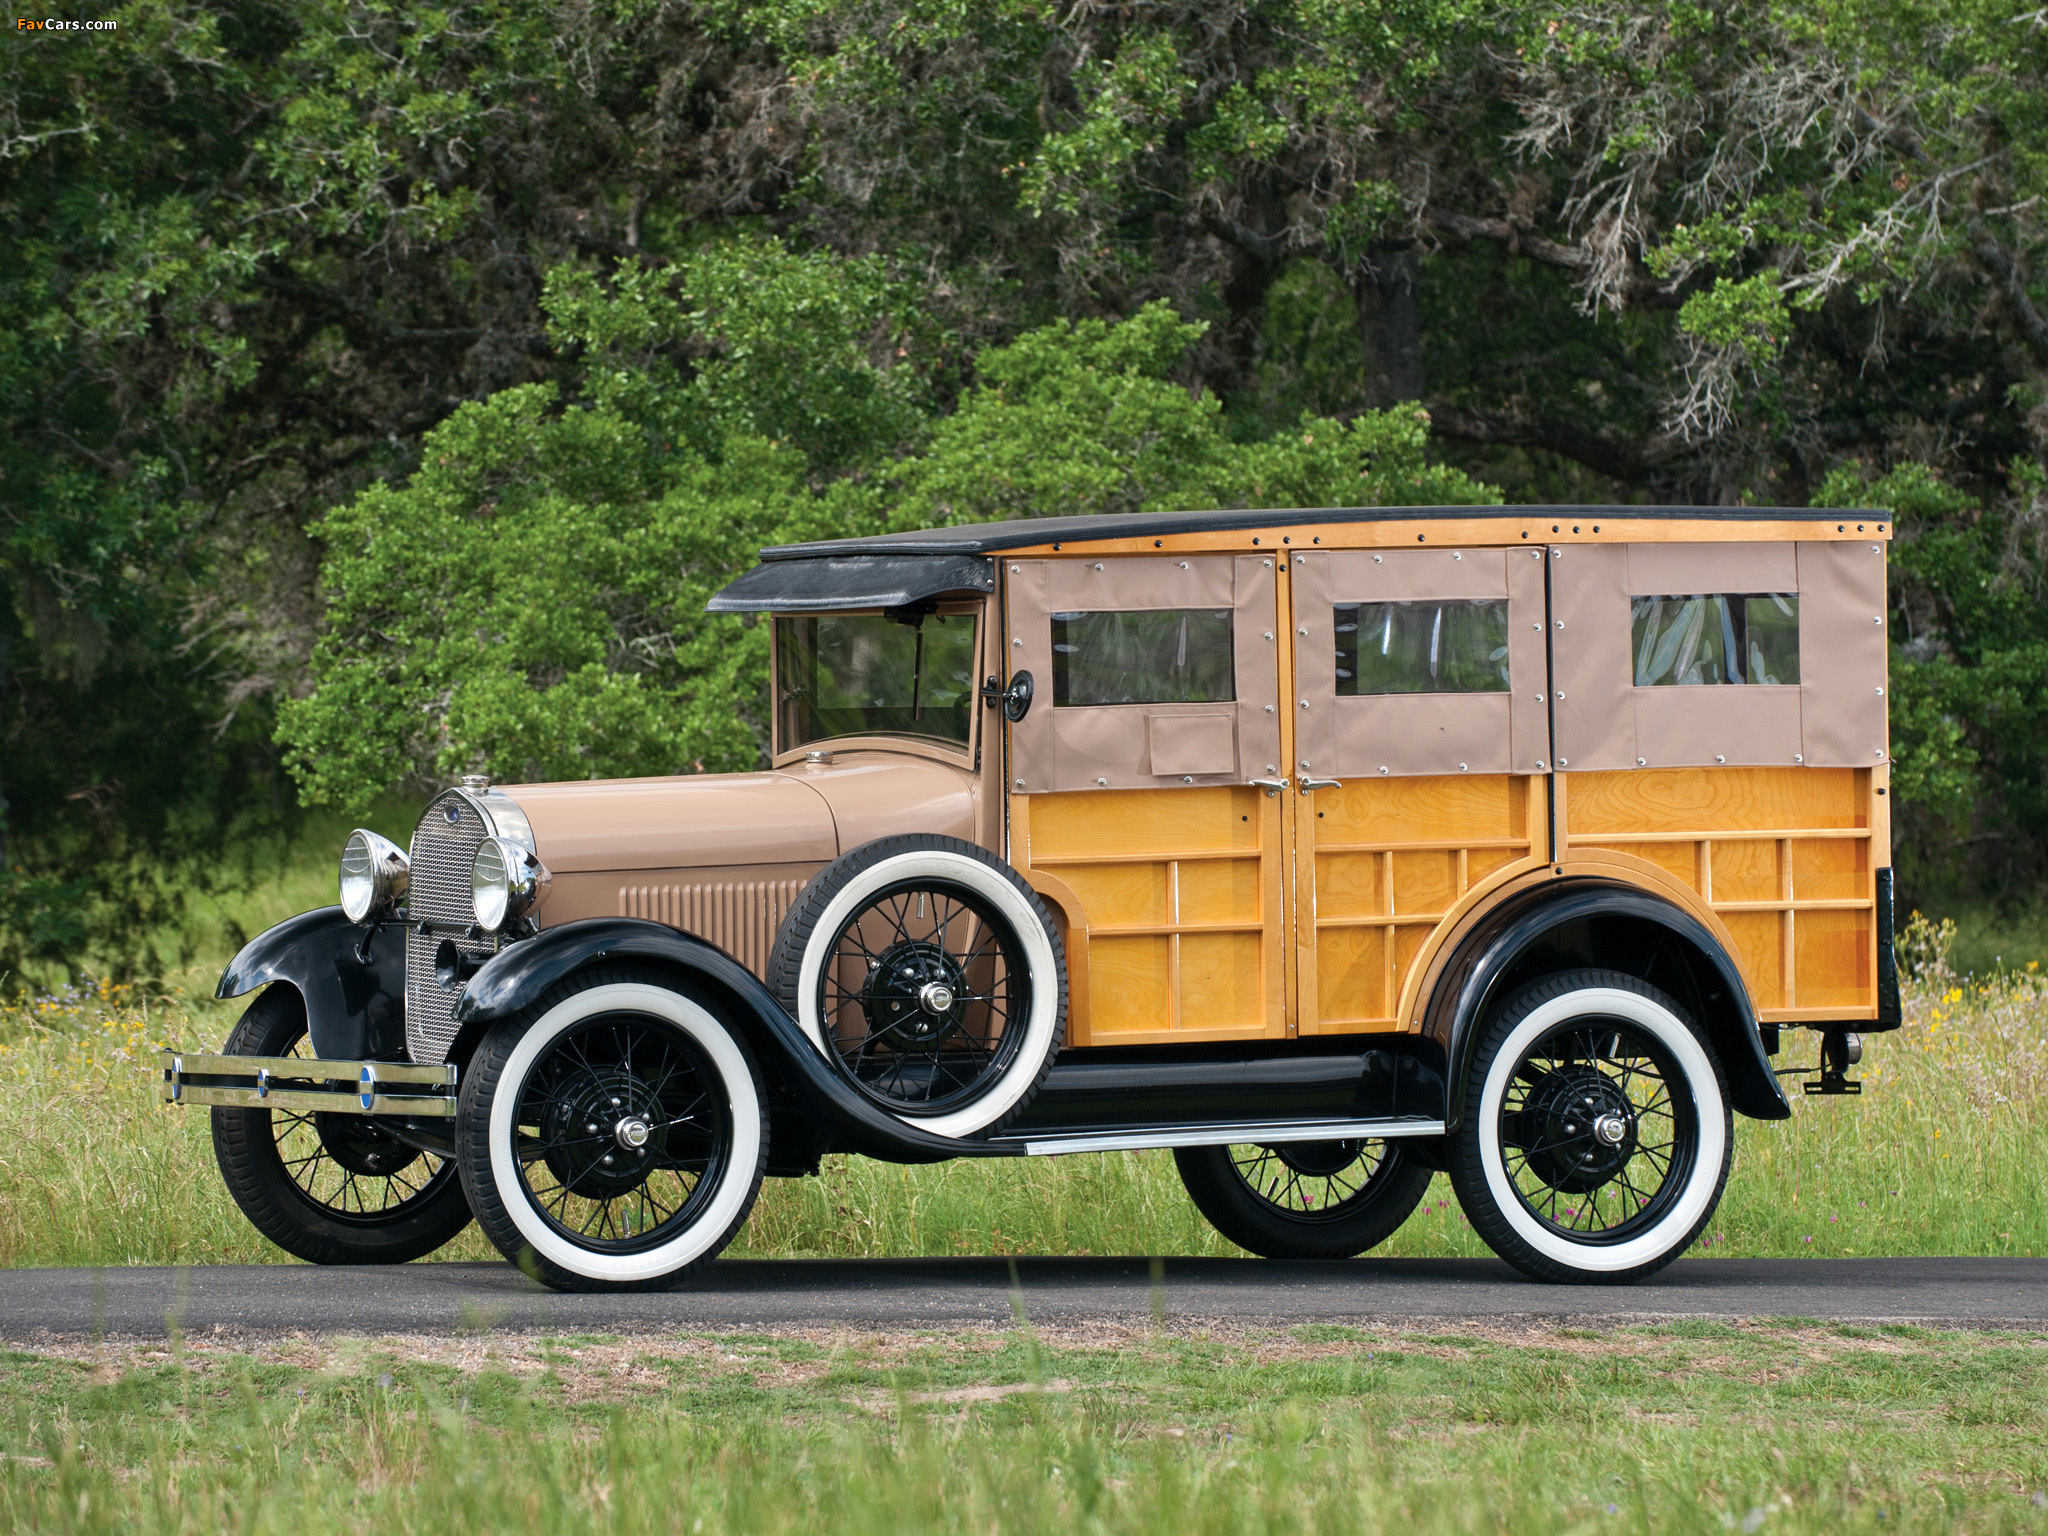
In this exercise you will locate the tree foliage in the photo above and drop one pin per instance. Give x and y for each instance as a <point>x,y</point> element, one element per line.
<point>253,254</point>
<point>530,602</point>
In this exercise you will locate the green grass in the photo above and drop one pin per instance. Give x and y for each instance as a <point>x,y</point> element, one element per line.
<point>1942,1154</point>
<point>1705,1427</point>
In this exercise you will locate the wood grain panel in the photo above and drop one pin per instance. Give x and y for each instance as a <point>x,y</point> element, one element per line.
<point>1383,865</point>
<point>1183,899</point>
<point>1783,856</point>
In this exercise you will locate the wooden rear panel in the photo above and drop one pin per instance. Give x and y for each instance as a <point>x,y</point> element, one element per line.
<point>1783,856</point>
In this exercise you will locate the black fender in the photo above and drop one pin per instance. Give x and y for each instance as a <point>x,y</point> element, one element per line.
<point>352,978</point>
<point>514,978</point>
<point>1604,923</point>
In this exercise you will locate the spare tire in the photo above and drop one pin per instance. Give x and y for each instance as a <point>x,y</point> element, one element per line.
<point>931,975</point>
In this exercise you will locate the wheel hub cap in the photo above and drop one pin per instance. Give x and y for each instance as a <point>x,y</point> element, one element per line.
<point>363,1147</point>
<point>1577,1128</point>
<point>604,1130</point>
<point>913,997</point>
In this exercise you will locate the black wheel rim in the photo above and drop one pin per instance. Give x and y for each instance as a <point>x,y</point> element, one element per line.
<point>1598,1133</point>
<point>624,1132</point>
<point>907,951</point>
<point>1312,1181</point>
<point>350,1167</point>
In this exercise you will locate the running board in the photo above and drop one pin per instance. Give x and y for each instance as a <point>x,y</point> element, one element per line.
<point>1218,1133</point>
<point>306,1086</point>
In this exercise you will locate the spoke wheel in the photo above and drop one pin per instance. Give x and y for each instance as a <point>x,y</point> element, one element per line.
<point>1596,1135</point>
<point>931,976</point>
<point>622,1136</point>
<point>1592,1138</point>
<point>1305,1199</point>
<point>613,1136</point>
<point>330,1188</point>
<point>918,994</point>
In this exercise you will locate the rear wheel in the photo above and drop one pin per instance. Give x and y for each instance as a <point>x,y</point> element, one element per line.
<point>613,1137</point>
<point>1596,1137</point>
<point>328,1188</point>
<point>1304,1199</point>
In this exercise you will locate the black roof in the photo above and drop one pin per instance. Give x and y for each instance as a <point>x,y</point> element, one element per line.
<point>895,570</point>
<point>993,538</point>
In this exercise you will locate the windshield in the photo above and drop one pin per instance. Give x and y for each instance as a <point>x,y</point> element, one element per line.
<point>864,674</point>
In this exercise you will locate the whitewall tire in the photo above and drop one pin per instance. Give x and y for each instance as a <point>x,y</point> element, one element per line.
<point>613,1136</point>
<point>1596,1137</point>
<point>931,975</point>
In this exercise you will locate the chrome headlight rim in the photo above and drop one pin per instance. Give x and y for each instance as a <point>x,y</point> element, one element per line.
<point>505,883</point>
<point>375,877</point>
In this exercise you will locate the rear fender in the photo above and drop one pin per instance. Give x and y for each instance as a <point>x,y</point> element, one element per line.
<point>516,977</point>
<point>1601,923</point>
<point>352,978</point>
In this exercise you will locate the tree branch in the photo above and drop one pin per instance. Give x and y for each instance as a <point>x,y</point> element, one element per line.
<point>2005,271</point>
<point>1642,291</point>
<point>1629,460</point>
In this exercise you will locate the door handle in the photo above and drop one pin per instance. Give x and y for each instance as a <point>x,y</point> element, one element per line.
<point>1272,787</point>
<point>1308,783</point>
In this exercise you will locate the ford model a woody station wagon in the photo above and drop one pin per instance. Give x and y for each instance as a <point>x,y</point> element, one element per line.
<point>1328,849</point>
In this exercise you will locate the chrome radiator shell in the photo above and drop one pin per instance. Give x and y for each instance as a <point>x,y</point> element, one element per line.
<point>444,846</point>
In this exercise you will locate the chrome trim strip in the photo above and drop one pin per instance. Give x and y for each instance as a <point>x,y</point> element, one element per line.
<point>1222,1133</point>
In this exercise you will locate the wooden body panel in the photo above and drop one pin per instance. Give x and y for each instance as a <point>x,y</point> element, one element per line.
<point>1174,900</point>
<point>1785,858</point>
<point>1381,867</point>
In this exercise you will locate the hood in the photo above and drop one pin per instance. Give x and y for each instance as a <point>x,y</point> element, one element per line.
<point>807,814</point>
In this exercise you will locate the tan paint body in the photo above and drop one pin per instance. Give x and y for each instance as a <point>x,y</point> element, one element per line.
<point>724,856</point>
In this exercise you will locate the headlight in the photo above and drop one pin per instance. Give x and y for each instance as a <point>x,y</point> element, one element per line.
<point>375,876</point>
<point>504,883</point>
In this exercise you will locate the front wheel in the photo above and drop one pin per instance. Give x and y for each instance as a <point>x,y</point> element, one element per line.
<point>325,1187</point>
<point>612,1137</point>
<point>1596,1138</point>
<point>1304,1199</point>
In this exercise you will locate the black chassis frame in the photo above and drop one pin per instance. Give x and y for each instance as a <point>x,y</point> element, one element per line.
<point>353,981</point>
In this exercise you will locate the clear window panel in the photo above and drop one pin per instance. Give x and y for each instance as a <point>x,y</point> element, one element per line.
<point>1716,637</point>
<point>1143,656</point>
<point>1423,647</point>
<point>864,674</point>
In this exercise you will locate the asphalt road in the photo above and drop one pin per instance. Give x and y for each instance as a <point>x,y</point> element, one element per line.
<point>922,1293</point>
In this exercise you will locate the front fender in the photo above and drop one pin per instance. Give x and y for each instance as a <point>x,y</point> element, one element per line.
<point>514,978</point>
<point>1504,951</point>
<point>352,978</point>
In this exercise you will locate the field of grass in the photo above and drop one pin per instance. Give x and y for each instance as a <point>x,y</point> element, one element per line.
<point>1686,1428</point>
<point>1942,1154</point>
<point>1699,1427</point>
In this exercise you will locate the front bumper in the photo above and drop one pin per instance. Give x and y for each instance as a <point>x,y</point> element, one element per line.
<point>306,1086</point>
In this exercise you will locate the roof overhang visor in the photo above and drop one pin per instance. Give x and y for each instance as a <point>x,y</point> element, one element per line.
<point>822,584</point>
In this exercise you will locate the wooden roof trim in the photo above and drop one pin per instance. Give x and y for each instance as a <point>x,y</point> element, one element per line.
<point>1463,533</point>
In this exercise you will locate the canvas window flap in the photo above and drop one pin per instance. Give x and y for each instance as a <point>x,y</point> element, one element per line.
<point>1414,734</point>
<point>1113,745</point>
<point>1680,570</point>
<point>1592,674</point>
<point>1712,726</point>
<point>1843,651</point>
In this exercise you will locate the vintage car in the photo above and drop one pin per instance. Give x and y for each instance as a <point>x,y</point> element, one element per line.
<point>1329,849</point>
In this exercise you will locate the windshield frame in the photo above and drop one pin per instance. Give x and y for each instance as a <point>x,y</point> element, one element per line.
<point>784,752</point>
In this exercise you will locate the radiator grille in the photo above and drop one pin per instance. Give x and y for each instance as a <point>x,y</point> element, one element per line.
<point>442,852</point>
<point>739,916</point>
